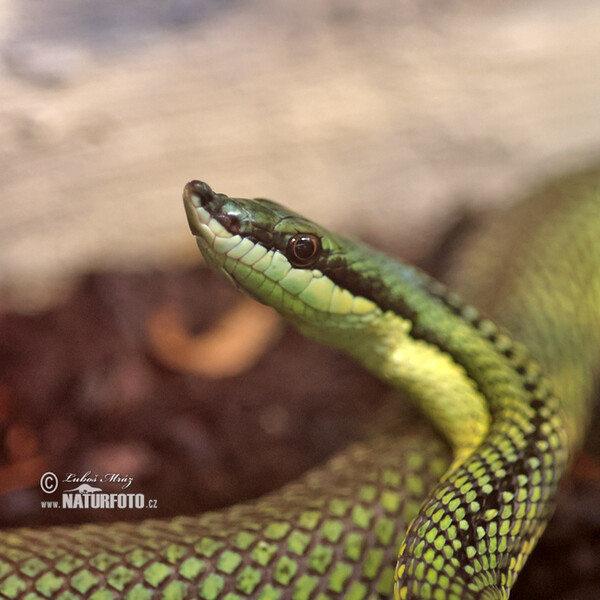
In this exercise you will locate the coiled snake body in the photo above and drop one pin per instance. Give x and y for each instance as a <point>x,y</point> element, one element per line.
<point>464,525</point>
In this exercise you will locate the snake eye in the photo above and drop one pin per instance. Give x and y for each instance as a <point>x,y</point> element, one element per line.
<point>303,249</point>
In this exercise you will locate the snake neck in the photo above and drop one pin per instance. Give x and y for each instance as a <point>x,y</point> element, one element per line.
<point>415,329</point>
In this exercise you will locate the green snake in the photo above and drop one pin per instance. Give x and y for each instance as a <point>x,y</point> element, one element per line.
<point>397,511</point>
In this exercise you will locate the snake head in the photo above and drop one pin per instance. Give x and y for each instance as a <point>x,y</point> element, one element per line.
<point>275,255</point>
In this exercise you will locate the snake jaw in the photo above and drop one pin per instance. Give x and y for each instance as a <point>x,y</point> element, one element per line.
<point>207,230</point>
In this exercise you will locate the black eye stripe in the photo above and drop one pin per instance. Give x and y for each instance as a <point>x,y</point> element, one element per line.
<point>303,249</point>
<point>230,222</point>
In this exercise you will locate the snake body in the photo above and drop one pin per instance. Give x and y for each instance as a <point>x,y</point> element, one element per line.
<point>464,521</point>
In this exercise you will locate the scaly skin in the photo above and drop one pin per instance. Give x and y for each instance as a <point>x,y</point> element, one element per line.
<point>335,533</point>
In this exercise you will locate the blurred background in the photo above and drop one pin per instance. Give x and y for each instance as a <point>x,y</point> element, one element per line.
<point>377,117</point>
<point>386,120</point>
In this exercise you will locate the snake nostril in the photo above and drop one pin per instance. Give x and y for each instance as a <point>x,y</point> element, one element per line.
<point>202,191</point>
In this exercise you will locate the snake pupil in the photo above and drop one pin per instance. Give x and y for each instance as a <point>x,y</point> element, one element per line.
<point>304,249</point>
